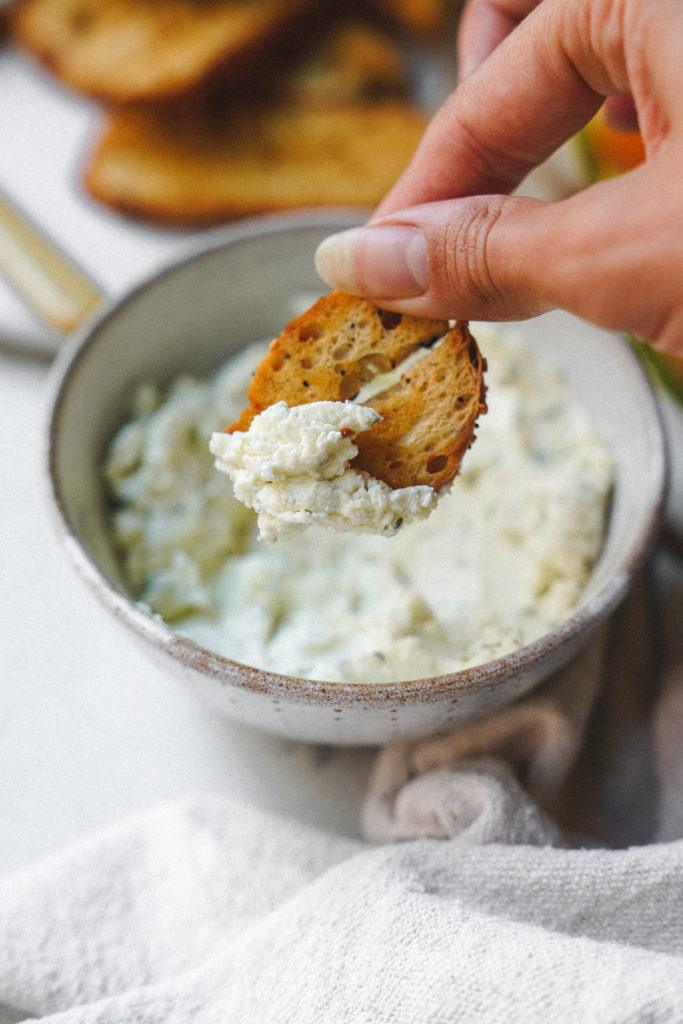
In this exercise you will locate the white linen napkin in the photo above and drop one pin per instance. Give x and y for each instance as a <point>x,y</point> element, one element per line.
<point>214,911</point>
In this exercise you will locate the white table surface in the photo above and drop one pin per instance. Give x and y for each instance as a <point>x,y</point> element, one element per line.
<point>89,729</point>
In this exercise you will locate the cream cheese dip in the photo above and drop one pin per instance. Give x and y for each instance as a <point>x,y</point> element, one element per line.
<point>500,561</point>
<point>292,468</point>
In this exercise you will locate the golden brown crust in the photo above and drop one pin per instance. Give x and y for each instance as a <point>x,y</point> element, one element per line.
<point>203,166</point>
<point>133,51</point>
<point>333,349</point>
<point>340,344</point>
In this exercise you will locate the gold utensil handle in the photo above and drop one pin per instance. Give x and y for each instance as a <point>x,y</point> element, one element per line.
<point>52,285</point>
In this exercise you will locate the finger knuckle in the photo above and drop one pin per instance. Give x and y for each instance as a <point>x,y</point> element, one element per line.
<point>491,164</point>
<point>605,27</point>
<point>467,259</point>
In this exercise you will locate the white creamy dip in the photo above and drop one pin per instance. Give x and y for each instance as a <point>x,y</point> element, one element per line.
<point>292,468</point>
<point>500,561</point>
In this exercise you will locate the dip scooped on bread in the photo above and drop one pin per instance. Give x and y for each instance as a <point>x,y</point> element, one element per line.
<point>303,451</point>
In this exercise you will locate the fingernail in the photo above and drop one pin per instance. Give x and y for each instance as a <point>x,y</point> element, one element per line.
<point>384,262</point>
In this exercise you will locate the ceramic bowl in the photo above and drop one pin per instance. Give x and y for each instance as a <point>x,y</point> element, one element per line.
<point>191,317</point>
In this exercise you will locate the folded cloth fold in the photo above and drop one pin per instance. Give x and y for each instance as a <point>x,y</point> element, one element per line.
<point>471,909</point>
<point>127,928</point>
<point>414,790</point>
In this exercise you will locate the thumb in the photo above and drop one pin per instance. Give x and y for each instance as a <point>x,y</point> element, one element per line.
<point>461,258</point>
<point>604,254</point>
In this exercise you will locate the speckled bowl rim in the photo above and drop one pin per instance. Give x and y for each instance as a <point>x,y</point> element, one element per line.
<point>293,688</point>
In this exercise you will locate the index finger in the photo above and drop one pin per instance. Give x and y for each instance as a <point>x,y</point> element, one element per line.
<point>484,24</point>
<point>526,99</point>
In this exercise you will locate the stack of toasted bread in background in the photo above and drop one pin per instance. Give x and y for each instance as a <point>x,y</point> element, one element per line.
<point>224,108</point>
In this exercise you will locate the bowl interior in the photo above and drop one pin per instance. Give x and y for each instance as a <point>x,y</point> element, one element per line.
<point>193,316</point>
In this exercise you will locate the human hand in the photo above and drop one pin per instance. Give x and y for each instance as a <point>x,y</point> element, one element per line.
<point>449,242</point>
<point>486,23</point>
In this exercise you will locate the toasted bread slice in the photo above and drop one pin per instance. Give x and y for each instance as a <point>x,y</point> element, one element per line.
<point>198,167</point>
<point>354,61</point>
<point>428,418</point>
<point>133,51</point>
<point>340,344</point>
<point>333,349</point>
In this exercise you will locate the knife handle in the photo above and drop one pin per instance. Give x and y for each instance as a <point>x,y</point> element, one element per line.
<point>51,284</point>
